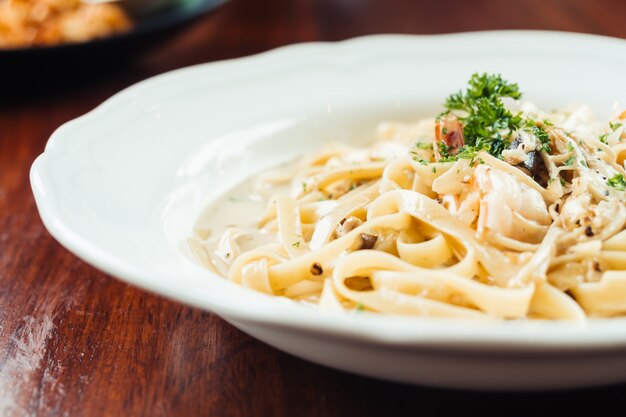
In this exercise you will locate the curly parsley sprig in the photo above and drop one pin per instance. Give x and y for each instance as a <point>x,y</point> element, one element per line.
<point>487,124</point>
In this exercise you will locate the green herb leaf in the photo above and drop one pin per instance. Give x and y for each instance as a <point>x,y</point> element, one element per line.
<point>570,161</point>
<point>420,160</point>
<point>540,133</point>
<point>424,145</point>
<point>617,182</point>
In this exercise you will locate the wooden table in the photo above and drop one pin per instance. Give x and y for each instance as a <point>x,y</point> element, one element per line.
<point>75,342</point>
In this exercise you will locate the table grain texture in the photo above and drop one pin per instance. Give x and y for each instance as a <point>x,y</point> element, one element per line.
<point>76,342</point>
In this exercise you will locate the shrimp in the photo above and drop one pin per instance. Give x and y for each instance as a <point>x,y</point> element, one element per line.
<point>448,135</point>
<point>496,202</point>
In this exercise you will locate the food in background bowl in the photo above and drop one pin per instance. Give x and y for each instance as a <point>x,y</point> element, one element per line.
<point>27,23</point>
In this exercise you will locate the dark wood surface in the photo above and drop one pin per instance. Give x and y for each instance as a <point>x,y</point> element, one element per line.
<point>75,342</point>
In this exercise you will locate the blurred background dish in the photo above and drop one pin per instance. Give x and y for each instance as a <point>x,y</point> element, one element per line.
<point>71,33</point>
<point>28,23</point>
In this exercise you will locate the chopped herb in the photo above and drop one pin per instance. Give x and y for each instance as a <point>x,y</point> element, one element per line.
<point>419,159</point>
<point>540,134</point>
<point>424,145</point>
<point>468,152</point>
<point>603,138</point>
<point>570,147</point>
<point>614,126</point>
<point>296,244</point>
<point>551,180</point>
<point>360,307</point>
<point>444,130</point>
<point>617,182</point>
<point>475,161</point>
<point>584,163</point>
<point>434,170</point>
<point>416,156</point>
<point>562,181</point>
<point>303,186</point>
<point>547,122</point>
<point>570,161</point>
<point>444,150</point>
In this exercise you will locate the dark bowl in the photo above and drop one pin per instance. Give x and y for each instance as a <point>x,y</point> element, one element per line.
<point>147,32</point>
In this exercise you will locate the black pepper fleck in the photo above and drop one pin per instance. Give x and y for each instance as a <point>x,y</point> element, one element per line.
<point>316,269</point>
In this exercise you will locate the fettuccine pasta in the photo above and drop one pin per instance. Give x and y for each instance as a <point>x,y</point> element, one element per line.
<point>492,210</point>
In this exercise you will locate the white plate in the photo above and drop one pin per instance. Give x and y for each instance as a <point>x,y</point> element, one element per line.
<point>121,187</point>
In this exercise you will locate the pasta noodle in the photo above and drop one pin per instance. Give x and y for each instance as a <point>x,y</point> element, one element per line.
<point>434,219</point>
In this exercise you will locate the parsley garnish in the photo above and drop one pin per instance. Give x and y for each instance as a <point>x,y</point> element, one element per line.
<point>570,161</point>
<point>617,182</point>
<point>360,307</point>
<point>487,124</point>
<point>296,244</point>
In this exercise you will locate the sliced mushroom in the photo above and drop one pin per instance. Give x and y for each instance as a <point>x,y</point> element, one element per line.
<point>367,241</point>
<point>347,225</point>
